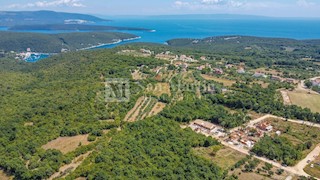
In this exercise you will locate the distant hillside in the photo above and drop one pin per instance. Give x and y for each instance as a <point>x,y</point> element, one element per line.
<point>249,44</point>
<point>70,27</point>
<point>12,18</point>
<point>211,16</point>
<point>53,43</point>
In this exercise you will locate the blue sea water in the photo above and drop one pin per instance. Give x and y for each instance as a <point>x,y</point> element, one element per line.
<point>167,29</point>
<point>171,28</point>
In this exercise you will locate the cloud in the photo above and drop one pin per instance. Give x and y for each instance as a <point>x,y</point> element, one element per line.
<point>205,4</point>
<point>305,3</point>
<point>46,4</point>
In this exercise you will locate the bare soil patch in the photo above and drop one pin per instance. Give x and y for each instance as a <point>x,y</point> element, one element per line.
<point>157,109</point>
<point>67,144</point>
<point>4,176</point>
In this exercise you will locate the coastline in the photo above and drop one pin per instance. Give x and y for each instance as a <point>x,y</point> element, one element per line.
<point>107,44</point>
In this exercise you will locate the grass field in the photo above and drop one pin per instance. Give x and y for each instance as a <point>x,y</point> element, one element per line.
<point>67,144</point>
<point>224,158</point>
<point>225,82</point>
<point>315,171</point>
<point>305,100</point>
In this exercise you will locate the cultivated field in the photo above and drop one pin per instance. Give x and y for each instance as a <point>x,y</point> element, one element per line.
<point>67,144</point>
<point>161,88</point>
<point>158,107</point>
<point>305,100</point>
<point>269,71</point>
<point>225,82</point>
<point>144,107</point>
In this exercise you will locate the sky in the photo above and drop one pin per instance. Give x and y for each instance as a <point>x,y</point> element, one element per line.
<point>274,8</point>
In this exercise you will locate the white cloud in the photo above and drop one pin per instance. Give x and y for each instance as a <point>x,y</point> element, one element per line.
<point>305,3</point>
<point>205,4</point>
<point>46,4</point>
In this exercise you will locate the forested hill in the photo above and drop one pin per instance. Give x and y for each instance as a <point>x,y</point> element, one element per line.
<point>250,44</point>
<point>71,27</point>
<point>10,18</point>
<point>54,43</point>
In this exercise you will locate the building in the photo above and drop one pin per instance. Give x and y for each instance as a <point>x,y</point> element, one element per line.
<point>203,58</point>
<point>259,74</point>
<point>146,51</point>
<point>264,126</point>
<point>204,125</point>
<point>218,71</point>
<point>241,71</point>
<point>315,82</point>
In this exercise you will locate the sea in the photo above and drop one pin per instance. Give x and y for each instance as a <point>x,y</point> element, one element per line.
<point>166,28</point>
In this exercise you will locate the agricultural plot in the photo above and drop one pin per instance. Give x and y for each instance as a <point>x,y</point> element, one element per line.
<point>67,144</point>
<point>305,100</point>
<point>159,89</point>
<point>224,157</point>
<point>144,107</point>
<point>225,82</point>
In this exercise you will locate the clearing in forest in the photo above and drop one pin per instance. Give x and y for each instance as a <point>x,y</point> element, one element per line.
<point>67,144</point>
<point>142,109</point>
<point>225,157</point>
<point>225,82</point>
<point>160,88</point>
<point>158,107</point>
<point>305,100</point>
<point>3,176</point>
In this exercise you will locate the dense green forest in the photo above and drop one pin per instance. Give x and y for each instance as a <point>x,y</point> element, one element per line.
<point>256,47</point>
<point>54,43</point>
<point>151,149</point>
<point>12,18</point>
<point>59,96</point>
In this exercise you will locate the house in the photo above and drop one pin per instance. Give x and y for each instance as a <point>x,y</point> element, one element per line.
<point>264,126</point>
<point>315,82</point>
<point>145,51</point>
<point>228,66</point>
<point>247,143</point>
<point>218,71</point>
<point>259,74</point>
<point>203,58</point>
<point>200,68</point>
<point>241,71</point>
<point>204,125</point>
<point>186,58</point>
